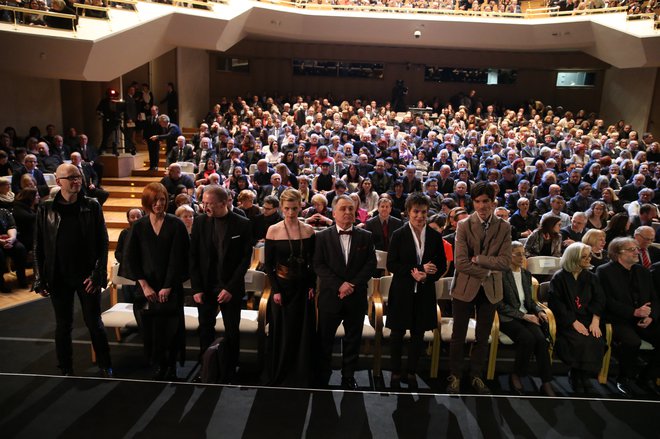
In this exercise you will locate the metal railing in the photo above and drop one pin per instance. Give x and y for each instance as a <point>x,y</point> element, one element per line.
<point>17,14</point>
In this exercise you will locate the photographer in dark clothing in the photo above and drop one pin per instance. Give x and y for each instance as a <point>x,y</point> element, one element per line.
<point>71,258</point>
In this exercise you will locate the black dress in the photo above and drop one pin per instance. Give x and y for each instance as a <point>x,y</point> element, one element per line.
<point>291,333</point>
<point>579,299</point>
<point>162,260</point>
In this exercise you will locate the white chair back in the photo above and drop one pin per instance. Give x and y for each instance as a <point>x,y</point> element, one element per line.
<point>443,288</point>
<point>543,265</point>
<point>50,180</point>
<point>255,281</point>
<point>381,260</point>
<point>187,166</point>
<point>117,279</point>
<point>384,287</point>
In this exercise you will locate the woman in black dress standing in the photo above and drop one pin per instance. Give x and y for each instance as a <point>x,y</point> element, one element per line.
<point>289,250</point>
<point>577,300</point>
<point>157,259</point>
<point>416,260</point>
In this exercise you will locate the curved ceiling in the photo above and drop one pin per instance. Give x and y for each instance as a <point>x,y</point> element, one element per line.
<point>102,50</point>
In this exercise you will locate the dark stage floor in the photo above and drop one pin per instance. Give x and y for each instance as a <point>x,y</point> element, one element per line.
<point>35,403</point>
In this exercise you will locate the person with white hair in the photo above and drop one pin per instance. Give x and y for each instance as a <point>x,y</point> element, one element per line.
<point>577,300</point>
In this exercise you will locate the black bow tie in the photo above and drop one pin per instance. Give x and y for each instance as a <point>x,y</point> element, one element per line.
<point>345,232</point>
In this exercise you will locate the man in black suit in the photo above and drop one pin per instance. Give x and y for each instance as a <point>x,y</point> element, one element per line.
<point>648,255</point>
<point>344,260</point>
<point>461,196</point>
<point>383,225</point>
<point>523,192</point>
<point>630,192</point>
<point>570,187</point>
<point>271,215</point>
<point>410,181</point>
<point>181,152</point>
<point>152,128</point>
<point>633,310</point>
<point>169,132</point>
<point>220,253</point>
<point>29,167</point>
<point>90,181</point>
<point>445,182</point>
<point>275,188</point>
<point>234,161</point>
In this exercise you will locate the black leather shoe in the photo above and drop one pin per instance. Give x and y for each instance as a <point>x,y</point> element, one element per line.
<point>197,379</point>
<point>67,372</point>
<point>159,375</point>
<point>106,373</point>
<point>548,390</point>
<point>349,383</point>
<point>395,381</point>
<point>575,381</point>
<point>170,374</point>
<point>516,385</point>
<point>412,382</point>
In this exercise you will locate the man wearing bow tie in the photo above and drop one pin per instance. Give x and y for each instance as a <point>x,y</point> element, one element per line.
<point>344,260</point>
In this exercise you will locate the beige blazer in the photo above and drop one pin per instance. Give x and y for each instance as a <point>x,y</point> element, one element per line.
<point>493,257</point>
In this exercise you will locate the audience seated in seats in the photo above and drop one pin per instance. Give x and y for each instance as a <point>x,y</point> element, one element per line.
<point>11,247</point>
<point>187,215</point>
<point>546,240</point>
<point>595,239</point>
<point>174,179</point>
<point>648,255</point>
<point>25,211</point>
<point>575,231</point>
<point>271,215</point>
<point>6,194</point>
<point>597,216</point>
<point>90,181</point>
<point>129,291</point>
<point>525,322</point>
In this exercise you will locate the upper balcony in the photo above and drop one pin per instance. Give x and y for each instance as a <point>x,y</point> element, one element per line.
<point>103,49</point>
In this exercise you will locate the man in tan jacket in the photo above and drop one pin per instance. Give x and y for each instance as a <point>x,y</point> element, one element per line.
<point>482,252</point>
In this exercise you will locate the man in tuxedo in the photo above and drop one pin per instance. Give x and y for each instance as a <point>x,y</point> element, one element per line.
<point>220,253</point>
<point>648,255</point>
<point>344,260</point>
<point>90,182</point>
<point>383,225</point>
<point>482,253</point>
<point>633,310</point>
<point>151,129</point>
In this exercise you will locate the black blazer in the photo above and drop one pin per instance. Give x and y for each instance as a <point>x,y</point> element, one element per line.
<point>376,228</point>
<point>406,307</point>
<point>42,186</point>
<point>509,307</point>
<point>618,283</point>
<point>237,249</point>
<point>447,187</point>
<point>333,271</point>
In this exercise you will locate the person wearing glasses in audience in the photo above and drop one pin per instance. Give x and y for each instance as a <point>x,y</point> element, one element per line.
<point>577,300</point>
<point>416,262</point>
<point>71,258</point>
<point>156,258</point>
<point>633,310</point>
<point>521,319</point>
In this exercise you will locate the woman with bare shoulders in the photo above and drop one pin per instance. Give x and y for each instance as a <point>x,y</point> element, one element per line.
<point>289,250</point>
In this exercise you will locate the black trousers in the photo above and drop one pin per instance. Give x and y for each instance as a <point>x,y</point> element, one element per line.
<point>415,349</point>
<point>18,254</point>
<point>231,317</point>
<point>462,311</point>
<point>154,147</point>
<point>62,298</point>
<point>353,320</point>
<point>529,339</point>
<point>627,340</point>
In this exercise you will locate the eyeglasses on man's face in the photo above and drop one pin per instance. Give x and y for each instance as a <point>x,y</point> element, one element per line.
<point>72,178</point>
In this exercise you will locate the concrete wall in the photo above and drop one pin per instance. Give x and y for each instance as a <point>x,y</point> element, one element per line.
<point>193,85</point>
<point>28,101</point>
<point>628,94</point>
<point>162,70</point>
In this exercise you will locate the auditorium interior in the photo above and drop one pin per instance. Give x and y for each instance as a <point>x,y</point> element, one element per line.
<point>600,60</point>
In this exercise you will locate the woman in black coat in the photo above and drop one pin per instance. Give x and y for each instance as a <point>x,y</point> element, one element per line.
<point>157,259</point>
<point>416,260</point>
<point>521,319</point>
<point>577,301</point>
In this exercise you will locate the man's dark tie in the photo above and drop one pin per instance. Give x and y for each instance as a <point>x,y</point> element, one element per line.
<point>345,232</point>
<point>386,235</point>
